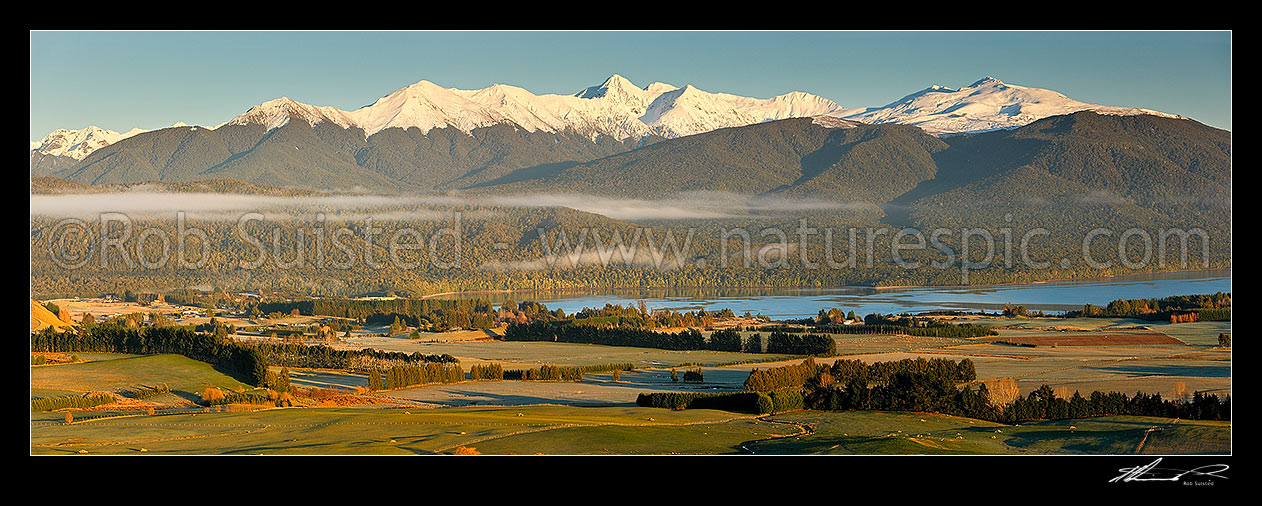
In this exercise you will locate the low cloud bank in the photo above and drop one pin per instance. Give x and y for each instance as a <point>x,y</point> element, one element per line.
<point>687,205</point>
<point>682,206</point>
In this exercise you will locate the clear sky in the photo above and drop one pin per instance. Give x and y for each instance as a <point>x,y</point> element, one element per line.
<point>123,80</point>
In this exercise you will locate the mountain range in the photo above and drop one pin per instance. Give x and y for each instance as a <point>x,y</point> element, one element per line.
<point>617,109</point>
<point>932,158</point>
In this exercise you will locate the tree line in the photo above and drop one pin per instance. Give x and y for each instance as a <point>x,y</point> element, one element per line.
<point>801,344</point>
<point>546,373</point>
<point>750,402</point>
<point>688,339</point>
<point>927,386</point>
<point>248,362</point>
<point>70,401</point>
<point>407,375</point>
<point>808,372</point>
<point>1176,308</point>
<point>326,357</point>
<point>243,361</point>
<point>936,389</point>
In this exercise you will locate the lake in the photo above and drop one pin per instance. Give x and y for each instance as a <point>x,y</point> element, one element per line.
<point>783,303</point>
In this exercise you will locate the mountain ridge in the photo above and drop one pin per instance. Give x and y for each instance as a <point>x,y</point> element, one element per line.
<point>618,108</point>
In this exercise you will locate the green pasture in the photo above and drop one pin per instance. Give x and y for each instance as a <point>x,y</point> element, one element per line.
<point>180,373</point>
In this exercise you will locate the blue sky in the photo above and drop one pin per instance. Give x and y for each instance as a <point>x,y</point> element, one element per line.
<point>121,80</point>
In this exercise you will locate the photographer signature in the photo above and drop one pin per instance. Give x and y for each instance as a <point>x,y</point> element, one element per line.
<point>1151,472</point>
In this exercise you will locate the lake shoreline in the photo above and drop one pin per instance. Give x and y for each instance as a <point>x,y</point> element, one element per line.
<point>1208,273</point>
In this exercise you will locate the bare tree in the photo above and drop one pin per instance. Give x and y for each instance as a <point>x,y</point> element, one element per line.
<point>1062,392</point>
<point>1180,392</point>
<point>1002,392</point>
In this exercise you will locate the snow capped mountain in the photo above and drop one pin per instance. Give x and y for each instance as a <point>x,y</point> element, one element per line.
<point>688,110</point>
<point>619,90</point>
<point>426,106</point>
<point>78,144</point>
<point>988,104</point>
<point>616,108</point>
<point>276,113</point>
<point>619,109</point>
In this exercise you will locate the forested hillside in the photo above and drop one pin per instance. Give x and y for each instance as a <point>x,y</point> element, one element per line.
<point>1146,176</point>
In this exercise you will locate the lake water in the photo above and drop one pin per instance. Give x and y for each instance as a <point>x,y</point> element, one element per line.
<point>783,303</point>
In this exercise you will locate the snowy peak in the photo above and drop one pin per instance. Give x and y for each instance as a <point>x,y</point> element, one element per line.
<point>278,112</point>
<point>615,85</point>
<point>987,81</point>
<point>78,144</point>
<point>425,106</point>
<point>619,92</point>
<point>658,88</point>
<point>987,104</point>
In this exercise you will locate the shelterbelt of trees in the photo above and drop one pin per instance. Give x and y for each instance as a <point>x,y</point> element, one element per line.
<point>248,362</point>
<point>1176,308</point>
<point>689,339</point>
<point>435,315</point>
<point>935,386</point>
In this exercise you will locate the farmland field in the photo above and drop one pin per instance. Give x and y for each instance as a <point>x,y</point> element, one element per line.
<point>1088,339</point>
<point>399,431</point>
<point>594,390</point>
<point>614,430</point>
<point>180,374</point>
<point>599,414</point>
<point>922,433</point>
<point>1193,333</point>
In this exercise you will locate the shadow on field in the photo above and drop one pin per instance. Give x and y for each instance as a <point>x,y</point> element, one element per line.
<point>1199,371</point>
<point>1113,442</point>
<point>493,399</point>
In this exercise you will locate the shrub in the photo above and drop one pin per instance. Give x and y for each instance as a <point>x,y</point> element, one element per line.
<point>788,400</point>
<point>764,404</point>
<point>212,395</point>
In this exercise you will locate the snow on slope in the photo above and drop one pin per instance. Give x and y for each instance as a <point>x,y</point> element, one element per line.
<point>689,111</point>
<point>78,144</point>
<point>276,113</point>
<point>619,109</point>
<point>615,108</point>
<point>988,104</point>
